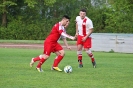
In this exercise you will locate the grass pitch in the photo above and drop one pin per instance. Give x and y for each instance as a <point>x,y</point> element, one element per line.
<point>114,70</point>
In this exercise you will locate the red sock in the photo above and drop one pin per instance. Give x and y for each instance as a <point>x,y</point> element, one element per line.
<point>36,59</point>
<point>41,62</point>
<point>92,57</point>
<point>57,61</point>
<point>80,58</point>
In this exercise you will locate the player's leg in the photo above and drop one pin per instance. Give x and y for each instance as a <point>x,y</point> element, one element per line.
<point>57,60</point>
<point>33,60</point>
<point>87,46</point>
<point>79,50</point>
<point>57,53</point>
<point>90,54</point>
<point>60,54</point>
<point>46,53</point>
<point>79,55</point>
<point>42,58</point>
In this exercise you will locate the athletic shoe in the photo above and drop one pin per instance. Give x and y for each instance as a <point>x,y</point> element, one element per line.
<point>56,68</point>
<point>80,65</point>
<point>32,62</point>
<point>94,64</point>
<point>39,69</point>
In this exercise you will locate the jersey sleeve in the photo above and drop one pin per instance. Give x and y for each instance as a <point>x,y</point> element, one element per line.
<point>60,29</point>
<point>77,18</point>
<point>62,35</point>
<point>66,35</point>
<point>90,24</point>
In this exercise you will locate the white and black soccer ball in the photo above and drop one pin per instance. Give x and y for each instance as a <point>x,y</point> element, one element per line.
<point>68,69</point>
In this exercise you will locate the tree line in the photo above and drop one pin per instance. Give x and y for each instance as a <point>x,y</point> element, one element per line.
<point>33,19</point>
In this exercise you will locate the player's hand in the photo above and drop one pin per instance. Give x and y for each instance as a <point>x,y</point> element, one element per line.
<point>73,38</point>
<point>68,47</point>
<point>76,35</point>
<point>84,38</point>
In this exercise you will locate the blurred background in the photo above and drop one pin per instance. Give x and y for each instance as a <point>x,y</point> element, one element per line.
<point>33,20</point>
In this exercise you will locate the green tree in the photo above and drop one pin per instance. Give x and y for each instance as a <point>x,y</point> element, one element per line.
<point>33,19</point>
<point>3,10</point>
<point>119,17</point>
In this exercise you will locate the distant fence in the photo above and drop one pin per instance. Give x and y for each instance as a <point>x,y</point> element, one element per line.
<point>112,42</point>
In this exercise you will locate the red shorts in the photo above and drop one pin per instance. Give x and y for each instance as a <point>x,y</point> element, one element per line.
<point>86,44</point>
<point>51,47</point>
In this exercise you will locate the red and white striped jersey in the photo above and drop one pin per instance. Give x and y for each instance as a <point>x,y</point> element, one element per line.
<point>84,25</point>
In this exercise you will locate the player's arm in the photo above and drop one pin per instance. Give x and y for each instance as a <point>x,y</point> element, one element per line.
<point>65,42</point>
<point>90,29</point>
<point>68,36</point>
<point>90,32</point>
<point>76,34</point>
<point>76,20</point>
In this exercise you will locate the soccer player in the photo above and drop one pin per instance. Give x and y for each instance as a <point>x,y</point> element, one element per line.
<point>84,29</point>
<point>65,42</point>
<point>51,45</point>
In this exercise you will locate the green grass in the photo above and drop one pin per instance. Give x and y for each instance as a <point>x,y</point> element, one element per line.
<point>22,41</point>
<point>32,41</point>
<point>114,70</point>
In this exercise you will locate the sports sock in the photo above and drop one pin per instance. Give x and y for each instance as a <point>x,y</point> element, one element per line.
<point>57,60</point>
<point>92,57</point>
<point>37,58</point>
<point>41,62</point>
<point>79,55</point>
<point>80,58</point>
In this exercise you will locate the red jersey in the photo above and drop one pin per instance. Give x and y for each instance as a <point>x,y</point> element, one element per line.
<point>55,33</point>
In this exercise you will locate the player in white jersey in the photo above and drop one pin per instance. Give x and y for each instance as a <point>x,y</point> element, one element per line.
<point>84,29</point>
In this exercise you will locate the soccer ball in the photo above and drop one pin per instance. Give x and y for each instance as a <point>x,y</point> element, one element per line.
<point>68,69</point>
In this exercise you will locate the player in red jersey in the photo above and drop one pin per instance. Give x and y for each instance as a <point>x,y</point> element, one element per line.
<point>51,45</point>
<point>84,29</point>
<point>65,42</point>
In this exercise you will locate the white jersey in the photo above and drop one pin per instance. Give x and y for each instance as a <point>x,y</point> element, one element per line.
<point>84,25</point>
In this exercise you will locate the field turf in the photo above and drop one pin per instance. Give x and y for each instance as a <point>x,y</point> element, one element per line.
<point>114,70</point>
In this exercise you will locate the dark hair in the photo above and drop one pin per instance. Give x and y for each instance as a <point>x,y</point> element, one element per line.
<point>66,16</point>
<point>83,10</point>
